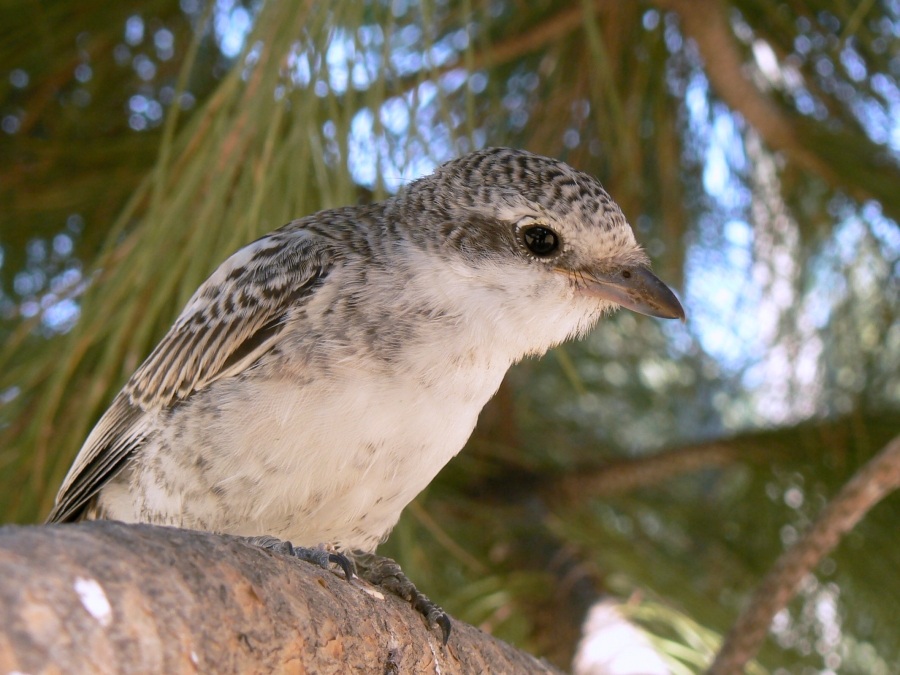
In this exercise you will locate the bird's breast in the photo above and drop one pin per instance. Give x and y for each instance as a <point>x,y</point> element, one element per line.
<point>329,459</point>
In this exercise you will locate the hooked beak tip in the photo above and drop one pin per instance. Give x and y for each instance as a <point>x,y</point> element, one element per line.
<point>635,288</point>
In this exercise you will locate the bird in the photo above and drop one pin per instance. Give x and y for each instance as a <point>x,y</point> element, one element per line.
<point>323,374</point>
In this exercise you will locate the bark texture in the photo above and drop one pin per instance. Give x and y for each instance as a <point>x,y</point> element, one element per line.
<point>105,597</point>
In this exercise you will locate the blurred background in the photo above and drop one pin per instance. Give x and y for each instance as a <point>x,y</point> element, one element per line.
<point>754,147</point>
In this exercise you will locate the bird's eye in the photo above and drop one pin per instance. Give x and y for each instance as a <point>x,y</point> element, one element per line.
<point>540,240</point>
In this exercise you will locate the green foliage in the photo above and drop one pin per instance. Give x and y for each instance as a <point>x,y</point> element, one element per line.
<point>147,141</point>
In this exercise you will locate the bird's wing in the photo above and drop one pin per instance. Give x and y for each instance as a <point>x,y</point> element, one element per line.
<point>233,318</point>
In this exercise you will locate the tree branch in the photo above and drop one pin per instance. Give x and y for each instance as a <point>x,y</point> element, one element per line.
<point>627,475</point>
<point>529,40</point>
<point>808,439</point>
<point>112,598</point>
<point>877,479</point>
<point>706,22</point>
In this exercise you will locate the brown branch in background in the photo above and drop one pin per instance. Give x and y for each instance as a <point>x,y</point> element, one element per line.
<point>113,598</point>
<point>517,45</point>
<point>877,479</point>
<point>626,476</point>
<point>806,440</point>
<point>706,23</point>
<point>560,24</point>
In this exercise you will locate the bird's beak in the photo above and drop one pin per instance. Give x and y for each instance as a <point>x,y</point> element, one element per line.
<point>633,287</point>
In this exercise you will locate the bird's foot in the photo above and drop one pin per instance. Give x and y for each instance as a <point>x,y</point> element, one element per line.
<point>387,574</point>
<point>317,556</point>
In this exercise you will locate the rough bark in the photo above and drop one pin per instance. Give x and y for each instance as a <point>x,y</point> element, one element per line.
<point>106,597</point>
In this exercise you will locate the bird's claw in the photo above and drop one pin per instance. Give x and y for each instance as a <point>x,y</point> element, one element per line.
<point>345,564</point>
<point>317,556</point>
<point>386,573</point>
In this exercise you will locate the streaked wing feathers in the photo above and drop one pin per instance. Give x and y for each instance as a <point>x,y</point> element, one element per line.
<point>117,433</point>
<point>231,320</point>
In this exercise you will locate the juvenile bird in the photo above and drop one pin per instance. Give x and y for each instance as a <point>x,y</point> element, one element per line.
<point>323,374</point>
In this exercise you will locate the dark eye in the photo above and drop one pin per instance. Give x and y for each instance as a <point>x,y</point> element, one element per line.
<point>540,240</point>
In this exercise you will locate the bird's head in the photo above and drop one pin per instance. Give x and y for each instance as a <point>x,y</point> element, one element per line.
<point>544,226</point>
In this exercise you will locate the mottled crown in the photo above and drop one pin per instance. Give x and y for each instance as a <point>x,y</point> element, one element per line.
<point>506,179</point>
<point>493,186</point>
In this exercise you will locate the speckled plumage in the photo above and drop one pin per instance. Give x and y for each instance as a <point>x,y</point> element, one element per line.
<point>323,375</point>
